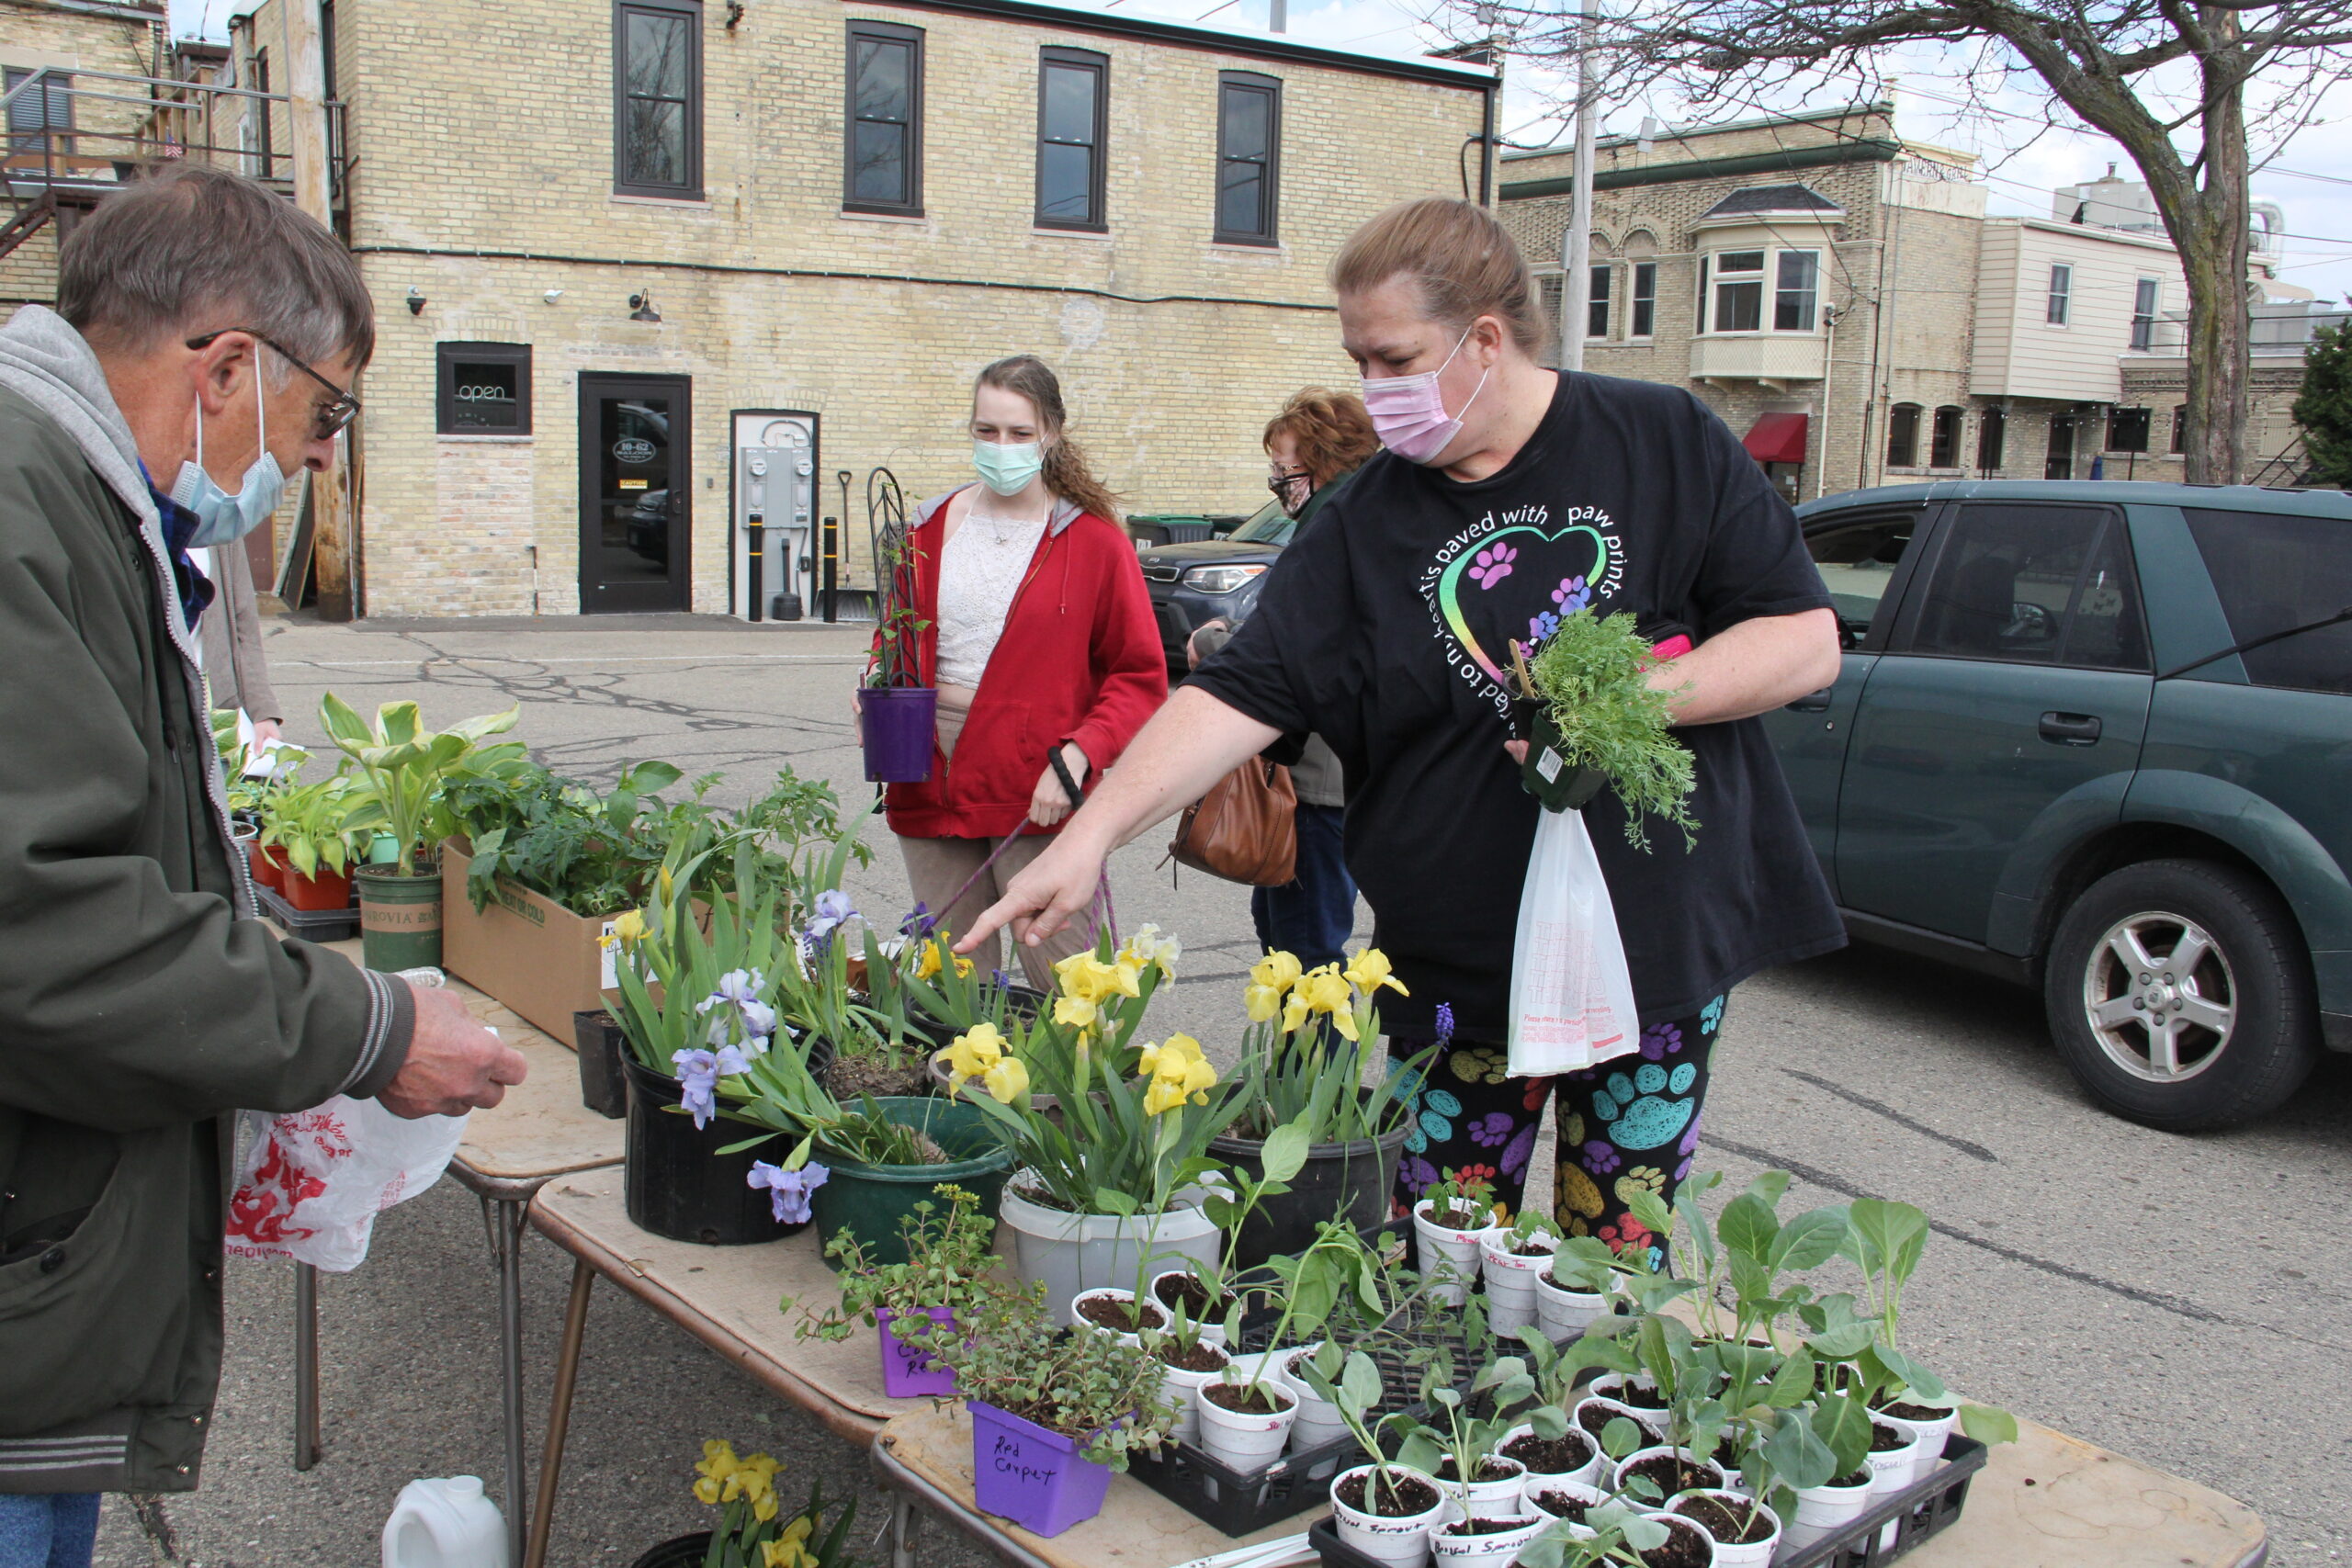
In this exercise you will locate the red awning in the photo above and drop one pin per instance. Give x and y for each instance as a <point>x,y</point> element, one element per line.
<point>1776,438</point>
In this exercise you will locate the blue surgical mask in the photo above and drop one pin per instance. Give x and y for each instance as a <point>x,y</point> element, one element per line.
<point>1007,469</point>
<point>222,518</point>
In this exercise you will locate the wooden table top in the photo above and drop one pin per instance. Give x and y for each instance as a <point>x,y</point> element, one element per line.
<point>726,1297</point>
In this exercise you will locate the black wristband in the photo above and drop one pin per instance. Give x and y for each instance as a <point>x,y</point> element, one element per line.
<point>1069,784</point>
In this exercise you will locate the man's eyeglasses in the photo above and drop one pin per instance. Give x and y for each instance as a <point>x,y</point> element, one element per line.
<point>328,419</point>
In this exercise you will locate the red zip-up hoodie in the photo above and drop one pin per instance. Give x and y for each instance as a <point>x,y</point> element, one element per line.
<point>1079,660</point>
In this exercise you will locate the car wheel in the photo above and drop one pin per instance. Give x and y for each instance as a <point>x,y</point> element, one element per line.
<point>2179,993</point>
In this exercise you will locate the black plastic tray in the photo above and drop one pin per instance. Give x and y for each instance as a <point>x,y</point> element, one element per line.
<point>1922,1509</point>
<point>310,925</point>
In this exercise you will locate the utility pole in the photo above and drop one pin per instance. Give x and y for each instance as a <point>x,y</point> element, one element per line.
<point>1278,16</point>
<point>331,531</point>
<point>1576,245</point>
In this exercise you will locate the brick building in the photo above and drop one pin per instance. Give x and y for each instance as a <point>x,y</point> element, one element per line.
<point>1840,296</point>
<point>624,250</point>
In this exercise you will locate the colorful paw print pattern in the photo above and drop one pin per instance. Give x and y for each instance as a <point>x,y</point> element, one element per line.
<point>1624,1128</point>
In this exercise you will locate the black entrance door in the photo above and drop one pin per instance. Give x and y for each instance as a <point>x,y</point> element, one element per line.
<point>636,492</point>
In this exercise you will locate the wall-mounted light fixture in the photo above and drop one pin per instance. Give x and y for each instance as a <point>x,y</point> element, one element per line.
<point>416,300</point>
<point>552,294</point>
<point>640,307</point>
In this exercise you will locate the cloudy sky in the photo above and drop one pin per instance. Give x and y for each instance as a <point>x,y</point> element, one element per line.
<point>2024,158</point>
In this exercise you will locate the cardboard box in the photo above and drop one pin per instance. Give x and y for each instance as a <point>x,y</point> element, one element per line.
<point>528,951</point>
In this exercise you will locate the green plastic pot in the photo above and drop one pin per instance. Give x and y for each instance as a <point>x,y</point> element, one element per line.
<point>870,1199</point>
<point>399,919</point>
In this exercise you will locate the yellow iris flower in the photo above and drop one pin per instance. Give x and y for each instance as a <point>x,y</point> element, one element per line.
<point>1295,1012</point>
<point>1370,971</point>
<point>1008,1080</point>
<point>1277,970</point>
<point>934,958</point>
<point>973,1054</point>
<point>1077,1012</point>
<point>790,1550</point>
<point>1179,1072</point>
<point>1326,992</point>
<point>629,930</point>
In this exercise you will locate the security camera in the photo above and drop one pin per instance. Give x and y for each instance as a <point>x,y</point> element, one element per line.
<point>416,300</point>
<point>552,294</point>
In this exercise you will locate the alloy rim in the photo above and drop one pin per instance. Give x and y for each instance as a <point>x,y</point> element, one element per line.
<point>2159,996</point>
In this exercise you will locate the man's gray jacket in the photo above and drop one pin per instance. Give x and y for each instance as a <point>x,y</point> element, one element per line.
<point>141,1004</point>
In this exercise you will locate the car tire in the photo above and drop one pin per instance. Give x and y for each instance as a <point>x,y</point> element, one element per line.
<point>2230,1038</point>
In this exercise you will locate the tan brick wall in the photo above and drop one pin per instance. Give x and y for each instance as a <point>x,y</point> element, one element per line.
<point>512,151</point>
<point>34,35</point>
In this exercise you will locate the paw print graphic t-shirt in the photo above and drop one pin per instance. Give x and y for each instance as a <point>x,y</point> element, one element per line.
<point>1385,627</point>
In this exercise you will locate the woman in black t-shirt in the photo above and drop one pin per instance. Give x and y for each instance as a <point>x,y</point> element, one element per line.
<point>1510,494</point>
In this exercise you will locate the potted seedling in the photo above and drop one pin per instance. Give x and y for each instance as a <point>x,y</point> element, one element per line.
<point>1053,1414</point>
<point>304,828</point>
<point>1512,1258</point>
<point>897,703</point>
<point>1614,1535</point>
<point>1246,1416</point>
<point>1460,1449</point>
<point>1552,1449</point>
<point>405,768</point>
<point>1384,1510</point>
<point>1448,1222</point>
<point>943,1279</point>
<point>1578,1284</point>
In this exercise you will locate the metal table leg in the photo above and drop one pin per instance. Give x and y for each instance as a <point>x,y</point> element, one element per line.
<point>505,1218</point>
<point>306,1365</point>
<point>567,1373</point>
<point>903,1520</point>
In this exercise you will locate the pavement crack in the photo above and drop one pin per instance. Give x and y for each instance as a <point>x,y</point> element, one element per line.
<point>148,1509</point>
<point>1878,1108</point>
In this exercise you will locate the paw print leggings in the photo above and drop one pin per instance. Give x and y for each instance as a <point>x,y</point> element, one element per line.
<point>1627,1124</point>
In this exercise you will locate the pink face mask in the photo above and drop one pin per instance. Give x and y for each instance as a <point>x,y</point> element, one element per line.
<point>1409,412</point>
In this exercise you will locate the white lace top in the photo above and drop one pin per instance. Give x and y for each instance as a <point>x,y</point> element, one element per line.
<point>979,571</point>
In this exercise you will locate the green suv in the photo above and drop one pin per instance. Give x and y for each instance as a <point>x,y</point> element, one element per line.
<point>2097,738</point>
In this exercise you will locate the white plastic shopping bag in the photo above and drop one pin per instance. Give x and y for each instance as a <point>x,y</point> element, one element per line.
<point>1571,997</point>
<point>311,1183</point>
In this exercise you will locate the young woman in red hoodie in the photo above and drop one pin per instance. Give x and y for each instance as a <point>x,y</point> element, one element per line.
<point>1041,640</point>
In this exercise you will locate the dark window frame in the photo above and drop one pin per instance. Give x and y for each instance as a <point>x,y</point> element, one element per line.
<point>1801,300</point>
<point>1991,439</point>
<point>2125,425</point>
<point>1597,302</point>
<point>2058,309</point>
<point>1945,428</point>
<point>56,135</point>
<point>912,37</point>
<point>1269,235</point>
<point>1732,286</point>
<point>2179,429</point>
<point>689,187</point>
<point>1056,57</point>
<point>2147,299</point>
<point>1903,435</point>
<point>1642,319</point>
<point>446,359</point>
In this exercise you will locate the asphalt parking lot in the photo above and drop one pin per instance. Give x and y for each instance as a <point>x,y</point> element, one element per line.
<point>2184,1301</point>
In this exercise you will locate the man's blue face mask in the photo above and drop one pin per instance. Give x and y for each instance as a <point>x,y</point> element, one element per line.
<point>222,518</point>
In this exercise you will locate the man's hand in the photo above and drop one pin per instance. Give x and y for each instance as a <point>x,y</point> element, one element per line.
<point>454,1064</point>
<point>265,731</point>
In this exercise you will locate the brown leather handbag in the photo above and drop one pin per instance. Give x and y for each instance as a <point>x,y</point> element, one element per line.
<point>1245,830</point>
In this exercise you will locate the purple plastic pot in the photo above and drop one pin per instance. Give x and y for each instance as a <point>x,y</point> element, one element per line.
<point>1035,1478</point>
<point>907,1371</point>
<point>901,727</point>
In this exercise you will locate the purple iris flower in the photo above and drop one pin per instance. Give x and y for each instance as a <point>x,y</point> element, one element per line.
<point>833,909</point>
<point>698,1077</point>
<point>789,1189</point>
<point>918,925</point>
<point>1445,1022</point>
<point>731,1060</point>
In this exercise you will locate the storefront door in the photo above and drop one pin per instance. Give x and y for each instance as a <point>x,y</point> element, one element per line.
<point>636,492</point>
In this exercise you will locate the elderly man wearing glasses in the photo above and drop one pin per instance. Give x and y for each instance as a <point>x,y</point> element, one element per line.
<point>203,349</point>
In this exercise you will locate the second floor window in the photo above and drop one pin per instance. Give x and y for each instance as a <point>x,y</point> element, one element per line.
<point>657,91</point>
<point>1595,313</point>
<point>2144,314</point>
<point>1903,436</point>
<point>882,143</point>
<point>1799,289</point>
<point>1248,144</point>
<point>2061,294</point>
<point>40,114</point>
<point>1739,291</point>
<point>1070,118</point>
<point>1643,301</point>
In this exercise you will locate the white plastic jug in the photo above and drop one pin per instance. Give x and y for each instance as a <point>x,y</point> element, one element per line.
<point>444,1523</point>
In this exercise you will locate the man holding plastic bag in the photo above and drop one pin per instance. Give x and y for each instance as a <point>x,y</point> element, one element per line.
<point>1511,497</point>
<point>207,335</point>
